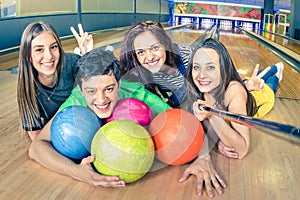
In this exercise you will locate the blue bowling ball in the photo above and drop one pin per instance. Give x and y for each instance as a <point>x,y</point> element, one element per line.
<point>72,131</point>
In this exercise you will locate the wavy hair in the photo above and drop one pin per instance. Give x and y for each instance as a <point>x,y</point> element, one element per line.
<point>130,66</point>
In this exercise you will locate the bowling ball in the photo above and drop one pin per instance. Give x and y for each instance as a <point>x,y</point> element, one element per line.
<point>123,148</point>
<point>134,110</point>
<point>72,131</point>
<point>177,135</point>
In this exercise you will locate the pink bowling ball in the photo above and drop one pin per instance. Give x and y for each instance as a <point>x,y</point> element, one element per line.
<point>134,110</point>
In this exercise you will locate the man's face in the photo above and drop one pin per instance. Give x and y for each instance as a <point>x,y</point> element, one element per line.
<point>101,94</point>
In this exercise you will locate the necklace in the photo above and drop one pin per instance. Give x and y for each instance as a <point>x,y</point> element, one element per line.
<point>49,97</point>
<point>54,85</point>
<point>53,91</point>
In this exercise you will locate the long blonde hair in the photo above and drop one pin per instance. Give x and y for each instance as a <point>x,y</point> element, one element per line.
<point>27,79</point>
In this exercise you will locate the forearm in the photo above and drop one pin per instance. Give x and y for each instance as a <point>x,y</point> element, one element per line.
<point>43,152</point>
<point>229,136</point>
<point>205,150</point>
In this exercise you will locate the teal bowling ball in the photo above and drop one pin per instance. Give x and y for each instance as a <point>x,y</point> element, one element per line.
<point>72,131</point>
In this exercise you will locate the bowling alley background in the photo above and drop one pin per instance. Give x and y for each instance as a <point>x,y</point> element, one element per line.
<point>102,14</point>
<point>94,15</point>
<point>270,170</point>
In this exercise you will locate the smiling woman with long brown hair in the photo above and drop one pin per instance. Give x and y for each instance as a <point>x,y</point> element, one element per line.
<point>46,74</point>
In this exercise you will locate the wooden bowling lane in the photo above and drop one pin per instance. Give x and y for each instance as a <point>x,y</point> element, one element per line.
<point>101,39</point>
<point>270,170</point>
<point>272,163</point>
<point>185,37</point>
<point>246,53</point>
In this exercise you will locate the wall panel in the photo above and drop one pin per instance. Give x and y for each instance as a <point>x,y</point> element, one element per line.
<point>34,7</point>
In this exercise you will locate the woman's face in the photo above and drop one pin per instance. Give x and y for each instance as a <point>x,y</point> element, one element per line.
<point>45,53</point>
<point>206,69</point>
<point>149,51</point>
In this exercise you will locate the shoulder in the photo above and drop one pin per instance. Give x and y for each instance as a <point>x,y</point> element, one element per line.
<point>69,55</point>
<point>71,58</point>
<point>128,89</point>
<point>185,48</point>
<point>130,84</point>
<point>235,85</point>
<point>185,52</point>
<point>235,88</point>
<point>69,65</point>
<point>76,98</point>
<point>235,94</point>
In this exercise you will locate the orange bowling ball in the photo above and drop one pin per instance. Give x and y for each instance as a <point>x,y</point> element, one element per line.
<point>177,135</point>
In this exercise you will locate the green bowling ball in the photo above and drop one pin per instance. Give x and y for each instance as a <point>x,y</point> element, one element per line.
<point>123,148</point>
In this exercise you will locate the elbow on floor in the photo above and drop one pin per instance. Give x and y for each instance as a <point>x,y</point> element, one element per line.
<point>243,153</point>
<point>31,151</point>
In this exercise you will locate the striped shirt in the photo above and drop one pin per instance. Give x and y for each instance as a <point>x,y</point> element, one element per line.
<point>174,81</point>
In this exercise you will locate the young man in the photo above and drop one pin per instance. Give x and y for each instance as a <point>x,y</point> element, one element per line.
<point>99,88</point>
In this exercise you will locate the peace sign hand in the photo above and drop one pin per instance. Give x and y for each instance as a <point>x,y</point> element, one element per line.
<point>85,41</point>
<point>256,82</point>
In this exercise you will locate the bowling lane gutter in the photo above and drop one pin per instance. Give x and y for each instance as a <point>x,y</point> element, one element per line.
<point>210,33</point>
<point>283,36</point>
<point>290,40</point>
<point>289,56</point>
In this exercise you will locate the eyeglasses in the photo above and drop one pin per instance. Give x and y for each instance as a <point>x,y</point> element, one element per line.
<point>154,48</point>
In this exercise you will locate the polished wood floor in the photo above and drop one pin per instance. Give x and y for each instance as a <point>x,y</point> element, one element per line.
<point>270,170</point>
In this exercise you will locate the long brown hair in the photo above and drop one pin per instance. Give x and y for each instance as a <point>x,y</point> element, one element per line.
<point>228,73</point>
<point>128,59</point>
<point>131,68</point>
<point>27,78</point>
